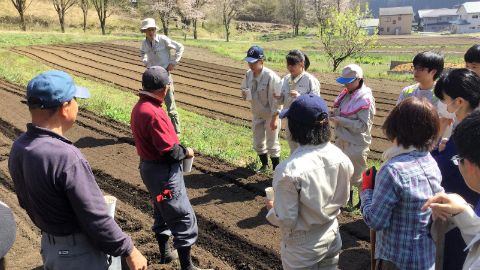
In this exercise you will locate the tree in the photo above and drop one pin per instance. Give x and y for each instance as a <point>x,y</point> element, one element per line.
<point>166,9</point>
<point>294,11</point>
<point>229,9</point>
<point>61,7</point>
<point>105,8</point>
<point>21,6</point>
<point>84,5</point>
<point>342,36</point>
<point>191,11</point>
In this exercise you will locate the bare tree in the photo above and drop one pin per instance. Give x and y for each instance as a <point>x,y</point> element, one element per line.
<point>166,9</point>
<point>191,11</point>
<point>342,36</point>
<point>61,7</point>
<point>294,11</point>
<point>105,8</point>
<point>229,9</point>
<point>21,6</point>
<point>84,5</point>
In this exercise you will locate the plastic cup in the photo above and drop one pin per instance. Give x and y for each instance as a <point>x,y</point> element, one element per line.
<point>270,194</point>
<point>277,91</point>
<point>111,202</point>
<point>248,93</point>
<point>187,164</point>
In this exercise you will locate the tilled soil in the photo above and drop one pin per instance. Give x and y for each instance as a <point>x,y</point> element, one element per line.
<point>207,88</point>
<point>227,200</point>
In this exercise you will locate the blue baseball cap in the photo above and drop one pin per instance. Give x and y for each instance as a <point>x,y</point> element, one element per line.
<point>52,88</point>
<point>254,54</point>
<point>306,109</point>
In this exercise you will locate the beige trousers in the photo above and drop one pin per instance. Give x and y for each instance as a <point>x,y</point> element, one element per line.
<point>358,155</point>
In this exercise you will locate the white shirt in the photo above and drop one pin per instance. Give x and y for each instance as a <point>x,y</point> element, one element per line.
<point>157,52</point>
<point>469,224</point>
<point>310,187</point>
<point>305,83</point>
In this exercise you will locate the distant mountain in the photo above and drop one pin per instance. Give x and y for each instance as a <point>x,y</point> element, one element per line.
<point>374,5</point>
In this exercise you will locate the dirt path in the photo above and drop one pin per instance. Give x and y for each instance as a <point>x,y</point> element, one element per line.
<point>228,200</point>
<point>207,88</point>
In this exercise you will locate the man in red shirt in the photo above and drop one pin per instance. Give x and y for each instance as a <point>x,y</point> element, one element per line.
<point>161,155</point>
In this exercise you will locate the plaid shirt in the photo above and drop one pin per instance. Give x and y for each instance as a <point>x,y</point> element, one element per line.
<point>393,209</point>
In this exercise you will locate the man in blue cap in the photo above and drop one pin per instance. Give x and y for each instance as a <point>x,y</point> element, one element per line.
<point>309,189</point>
<point>260,84</point>
<point>55,184</point>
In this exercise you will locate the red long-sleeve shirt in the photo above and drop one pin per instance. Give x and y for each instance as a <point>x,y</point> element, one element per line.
<point>152,129</point>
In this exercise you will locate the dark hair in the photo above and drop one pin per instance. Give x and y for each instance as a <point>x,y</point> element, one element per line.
<point>473,54</point>
<point>315,134</point>
<point>430,60</point>
<point>462,83</point>
<point>296,56</point>
<point>413,122</point>
<point>466,138</point>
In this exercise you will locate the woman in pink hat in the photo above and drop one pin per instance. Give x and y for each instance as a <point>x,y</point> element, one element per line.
<point>352,115</point>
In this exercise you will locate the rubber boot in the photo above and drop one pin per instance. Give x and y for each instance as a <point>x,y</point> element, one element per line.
<point>186,259</point>
<point>275,161</point>
<point>264,160</point>
<point>166,254</point>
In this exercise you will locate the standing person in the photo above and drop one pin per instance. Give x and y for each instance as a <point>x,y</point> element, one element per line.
<point>472,59</point>
<point>407,178</point>
<point>262,83</point>
<point>452,206</point>
<point>155,51</point>
<point>459,91</point>
<point>353,112</point>
<point>427,67</point>
<point>309,189</point>
<point>161,155</point>
<point>55,184</point>
<point>297,82</point>
<point>8,230</point>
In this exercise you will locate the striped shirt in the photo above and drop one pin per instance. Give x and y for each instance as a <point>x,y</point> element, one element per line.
<point>393,209</point>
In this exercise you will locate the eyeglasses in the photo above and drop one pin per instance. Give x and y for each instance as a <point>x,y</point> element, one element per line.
<point>457,159</point>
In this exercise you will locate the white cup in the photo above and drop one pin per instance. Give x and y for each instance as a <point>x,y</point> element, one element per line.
<point>248,93</point>
<point>187,164</point>
<point>111,202</point>
<point>277,91</point>
<point>270,193</point>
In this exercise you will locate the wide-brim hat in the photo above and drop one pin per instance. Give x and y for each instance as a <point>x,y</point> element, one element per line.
<point>148,23</point>
<point>7,229</point>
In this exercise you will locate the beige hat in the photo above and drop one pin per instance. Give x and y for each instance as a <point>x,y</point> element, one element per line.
<point>7,229</point>
<point>148,23</point>
<point>350,73</point>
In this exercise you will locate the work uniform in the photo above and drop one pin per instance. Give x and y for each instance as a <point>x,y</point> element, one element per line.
<point>161,171</point>
<point>310,187</point>
<point>55,185</point>
<point>264,107</point>
<point>354,113</point>
<point>305,83</point>
<point>157,53</point>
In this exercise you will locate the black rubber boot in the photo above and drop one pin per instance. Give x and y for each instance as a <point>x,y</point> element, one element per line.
<point>275,161</point>
<point>166,254</point>
<point>264,161</point>
<point>186,259</point>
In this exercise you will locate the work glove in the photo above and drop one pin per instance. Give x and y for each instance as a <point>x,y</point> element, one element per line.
<point>368,178</point>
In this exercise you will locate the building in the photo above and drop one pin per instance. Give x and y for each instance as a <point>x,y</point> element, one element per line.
<point>370,25</point>
<point>468,20</point>
<point>436,20</point>
<point>395,21</point>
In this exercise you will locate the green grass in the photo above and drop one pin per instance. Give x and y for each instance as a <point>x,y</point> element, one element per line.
<point>16,38</point>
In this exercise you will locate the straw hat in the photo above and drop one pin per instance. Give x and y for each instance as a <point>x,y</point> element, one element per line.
<point>7,229</point>
<point>148,23</point>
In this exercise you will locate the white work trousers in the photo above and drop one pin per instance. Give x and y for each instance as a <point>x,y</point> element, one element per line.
<point>265,140</point>
<point>358,155</point>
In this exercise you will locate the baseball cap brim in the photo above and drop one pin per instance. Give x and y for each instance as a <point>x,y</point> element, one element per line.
<point>342,80</point>
<point>251,60</point>
<point>81,92</point>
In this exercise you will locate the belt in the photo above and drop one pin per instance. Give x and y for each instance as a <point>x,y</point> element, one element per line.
<point>70,239</point>
<point>156,161</point>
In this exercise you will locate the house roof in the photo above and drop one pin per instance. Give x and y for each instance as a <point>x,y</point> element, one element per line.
<point>472,7</point>
<point>407,10</point>
<point>434,13</point>
<point>368,23</point>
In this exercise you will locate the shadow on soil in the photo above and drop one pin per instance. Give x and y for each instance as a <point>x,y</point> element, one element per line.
<point>90,142</point>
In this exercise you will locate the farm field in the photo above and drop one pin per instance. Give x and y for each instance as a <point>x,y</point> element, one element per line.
<point>227,198</point>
